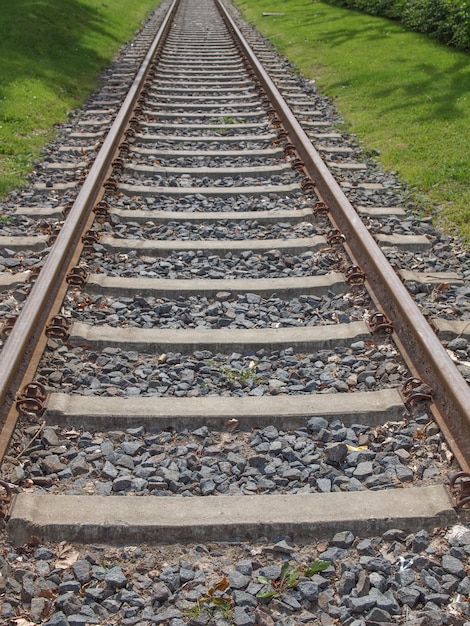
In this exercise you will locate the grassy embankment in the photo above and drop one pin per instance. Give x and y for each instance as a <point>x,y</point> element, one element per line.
<point>51,55</point>
<point>403,95</point>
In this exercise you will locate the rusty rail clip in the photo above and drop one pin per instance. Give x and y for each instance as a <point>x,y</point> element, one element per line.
<point>281,135</point>
<point>111,185</point>
<point>334,237</point>
<point>459,486</point>
<point>307,185</point>
<point>354,275</point>
<point>101,209</point>
<point>33,274</point>
<point>53,236</point>
<point>320,208</point>
<point>58,327</point>
<point>66,209</point>
<point>414,391</point>
<point>5,500</point>
<point>77,276</point>
<point>298,165</point>
<point>118,164</point>
<point>380,323</point>
<point>32,399</point>
<point>124,149</point>
<point>7,326</point>
<point>289,150</point>
<point>90,238</point>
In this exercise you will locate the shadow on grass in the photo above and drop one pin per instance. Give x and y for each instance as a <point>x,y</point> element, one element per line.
<point>315,16</point>
<point>43,40</point>
<point>433,89</point>
<point>436,90</point>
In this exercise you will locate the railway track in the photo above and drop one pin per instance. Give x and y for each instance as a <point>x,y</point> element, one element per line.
<point>215,346</point>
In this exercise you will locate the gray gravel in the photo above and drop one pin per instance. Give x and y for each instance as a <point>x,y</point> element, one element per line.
<point>185,180</point>
<point>205,264</point>
<point>199,202</point>
<point>14,261</point>
<point>419,580</point>
<point>213,161</point>
<point>223,229</point>
<point>225,311</point>
<point>115,371</point>
<point>21,226</point>
<point>320,457</point>
<point>210,144</point>
<point>228,130</point>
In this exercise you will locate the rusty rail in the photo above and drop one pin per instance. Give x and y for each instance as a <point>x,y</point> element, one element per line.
<point>418,341</point>
<point>29,325</point>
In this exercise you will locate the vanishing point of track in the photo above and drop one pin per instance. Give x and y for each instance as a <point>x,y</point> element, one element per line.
<point>201,84</point>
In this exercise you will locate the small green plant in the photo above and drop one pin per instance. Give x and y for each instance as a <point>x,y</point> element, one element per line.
<point>226,119</point>
<point>215,600</point>
<point>316,567</point>
<point>288,578</point>
<point>235,377</point>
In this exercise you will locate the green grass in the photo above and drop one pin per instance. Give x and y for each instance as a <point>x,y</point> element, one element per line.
<point>51,54</point>
<point>403,95</point>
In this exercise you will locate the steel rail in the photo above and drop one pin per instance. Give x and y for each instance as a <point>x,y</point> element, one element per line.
<point>29,324</point>
<point>423,349</point>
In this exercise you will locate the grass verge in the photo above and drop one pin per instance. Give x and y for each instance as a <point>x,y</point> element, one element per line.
<point>403,95</point>
<point>51,55</point>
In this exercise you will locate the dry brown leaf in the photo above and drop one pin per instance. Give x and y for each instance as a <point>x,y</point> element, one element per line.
<point>22,621</point>
<point>72,434</point>
<point>262,618</point>
<point>67,555</point>
<point>222,584</point>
